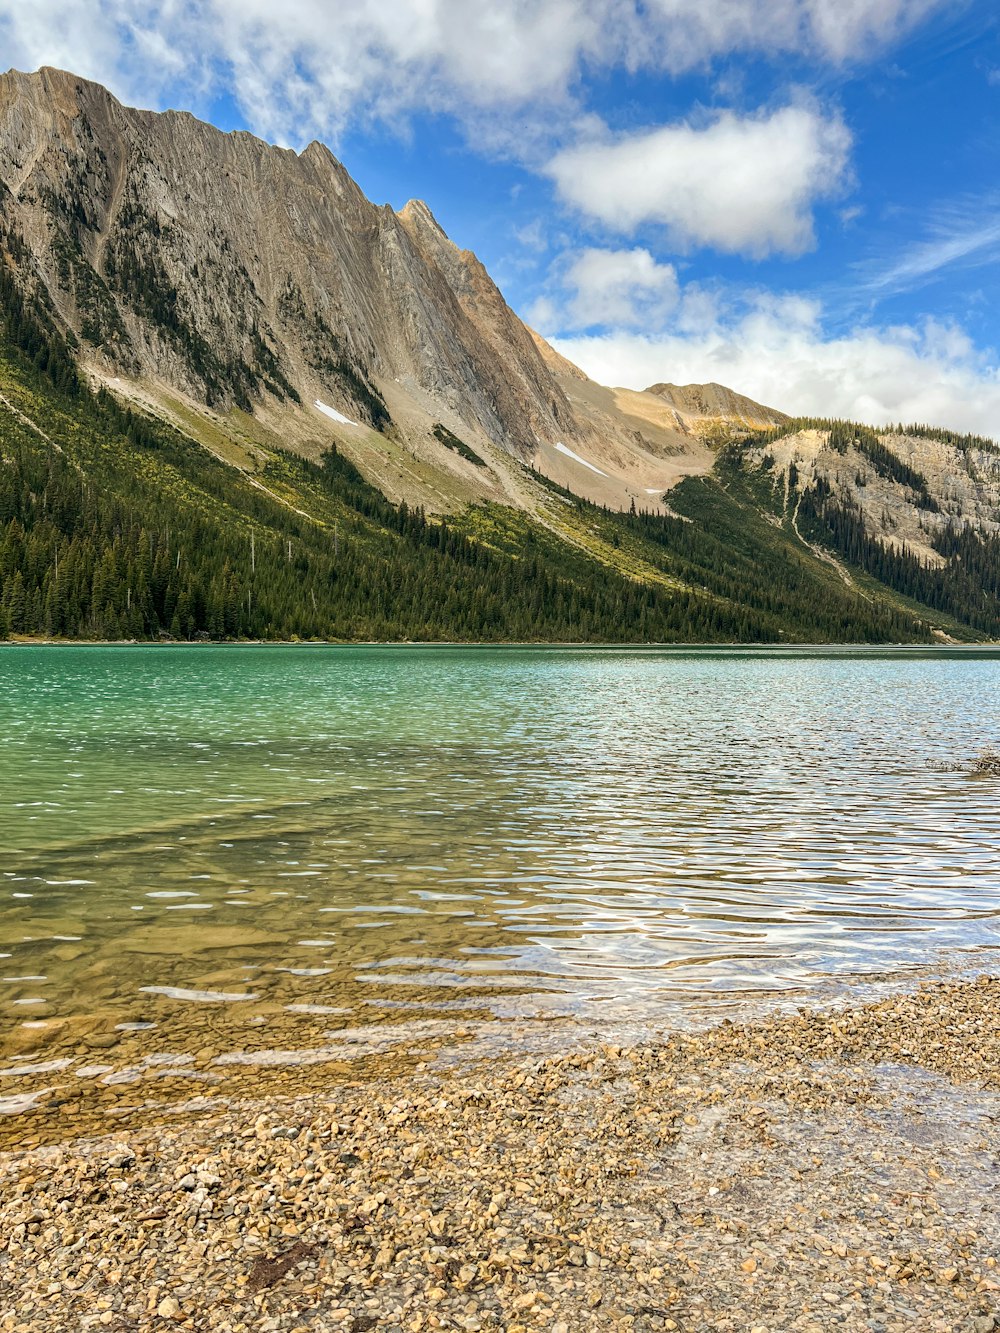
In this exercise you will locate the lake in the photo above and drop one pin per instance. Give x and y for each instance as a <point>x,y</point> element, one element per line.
<point>223,861</point>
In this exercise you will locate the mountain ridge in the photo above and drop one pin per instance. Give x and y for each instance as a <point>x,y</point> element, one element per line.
<point>711,405</point>
<point>202,324</point>
<point>133,216</point>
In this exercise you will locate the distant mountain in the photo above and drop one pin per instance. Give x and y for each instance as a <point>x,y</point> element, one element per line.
<point>702,408</point>
<point>237,398</point>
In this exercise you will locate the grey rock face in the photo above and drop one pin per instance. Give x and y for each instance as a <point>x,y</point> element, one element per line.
<point>238,272</point>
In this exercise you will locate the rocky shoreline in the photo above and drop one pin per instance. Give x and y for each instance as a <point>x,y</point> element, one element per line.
<point>810,1171</point>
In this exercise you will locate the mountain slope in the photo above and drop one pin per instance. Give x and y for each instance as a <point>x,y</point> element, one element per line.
<point>113,525</point>
<point>704,408</point>
<point>239,400</point>
<point>915,508</point>
<point>216,267</point>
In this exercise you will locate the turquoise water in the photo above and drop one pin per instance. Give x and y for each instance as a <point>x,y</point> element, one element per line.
<point>196,840</point>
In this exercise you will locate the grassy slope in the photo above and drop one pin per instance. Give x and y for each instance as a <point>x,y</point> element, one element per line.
<point>356,568</point>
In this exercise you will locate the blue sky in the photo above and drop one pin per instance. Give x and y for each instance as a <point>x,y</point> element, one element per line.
<point>800,198</point>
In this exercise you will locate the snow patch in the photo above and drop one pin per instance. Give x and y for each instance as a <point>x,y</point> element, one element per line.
<point>561,448</point>
<point>333,414</point>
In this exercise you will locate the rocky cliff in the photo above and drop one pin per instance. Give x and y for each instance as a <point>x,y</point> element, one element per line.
<point>702,408</point>
<point>234,274</point>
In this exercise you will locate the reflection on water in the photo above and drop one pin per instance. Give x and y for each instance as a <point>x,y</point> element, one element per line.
<point>250,851</point>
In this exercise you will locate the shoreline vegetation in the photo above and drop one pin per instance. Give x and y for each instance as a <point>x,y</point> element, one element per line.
<point>806,1171</point>
<point>712,645</point>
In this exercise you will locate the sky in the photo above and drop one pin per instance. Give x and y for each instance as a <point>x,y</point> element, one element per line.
<point>797,198</point>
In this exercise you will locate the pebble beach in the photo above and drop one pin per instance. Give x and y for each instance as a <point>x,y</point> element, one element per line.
<point>825,1169</point>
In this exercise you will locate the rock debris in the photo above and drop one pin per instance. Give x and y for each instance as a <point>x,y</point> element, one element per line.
<point>814,1171</point>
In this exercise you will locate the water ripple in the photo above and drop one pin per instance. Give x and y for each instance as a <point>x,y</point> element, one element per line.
<point>518,830</point>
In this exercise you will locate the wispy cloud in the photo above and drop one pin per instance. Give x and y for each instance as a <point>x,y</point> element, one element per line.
<point>967,237</point>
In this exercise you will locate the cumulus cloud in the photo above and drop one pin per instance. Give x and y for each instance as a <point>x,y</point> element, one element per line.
<point>593,287</point>
<point>740,184</point>
<point>776,350</point>
<point>304,68</point>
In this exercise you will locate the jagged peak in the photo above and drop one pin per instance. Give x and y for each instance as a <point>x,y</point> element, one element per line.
<point>320,156</point>
<point>316,148</point>
<point>416,212</point>
<point>53,76</point>
<point>59,88</point>
<point>64,90</point>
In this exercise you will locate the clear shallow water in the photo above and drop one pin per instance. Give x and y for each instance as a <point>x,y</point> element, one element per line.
<point>259,848</point>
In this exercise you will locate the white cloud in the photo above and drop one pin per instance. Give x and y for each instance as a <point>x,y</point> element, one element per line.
<point>740,184</point>
<point>776,350</point>
<point>93,41</point>
<point>626,288</point>
<point>844,29</point>
<point>305,68</point>
<point>689,32</point>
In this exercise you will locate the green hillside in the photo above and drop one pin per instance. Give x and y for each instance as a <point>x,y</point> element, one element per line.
<point>116,525</point>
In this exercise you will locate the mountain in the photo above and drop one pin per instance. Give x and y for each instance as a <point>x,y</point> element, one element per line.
<point>238,398</point>
<point>704,409</point>
<point>220,269</point>
<point>914,508</point>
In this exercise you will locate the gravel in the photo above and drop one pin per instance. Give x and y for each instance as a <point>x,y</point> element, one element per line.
<point>821,1170</point>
